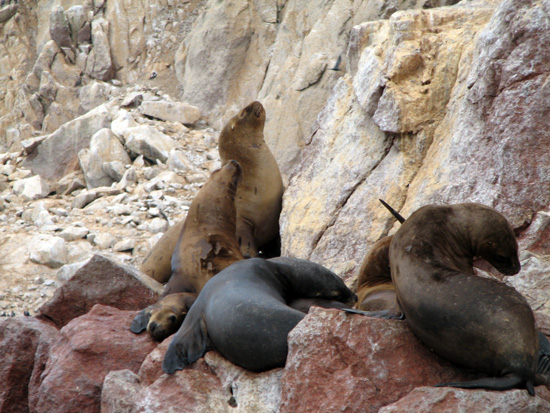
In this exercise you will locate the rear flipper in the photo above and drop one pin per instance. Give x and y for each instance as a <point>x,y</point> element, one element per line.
<point>385,314</point>
<point>510,381</point>
<point>189,344</point>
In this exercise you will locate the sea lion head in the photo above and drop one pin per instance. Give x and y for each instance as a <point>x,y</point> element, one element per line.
<point>164,318</point>
<point>251,118</point>
<point>496,242</point>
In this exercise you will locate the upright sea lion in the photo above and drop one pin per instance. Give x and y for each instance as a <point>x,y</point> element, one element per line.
<point>477,322</point>
<point>259,195</point>
<point>158,263</point>
<point>207,242</point>
<point>243,311</point>
<point>163,318</point>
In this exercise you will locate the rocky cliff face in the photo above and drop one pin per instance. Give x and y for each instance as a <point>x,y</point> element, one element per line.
<point>109,112</point>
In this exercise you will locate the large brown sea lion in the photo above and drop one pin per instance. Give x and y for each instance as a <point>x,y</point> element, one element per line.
<point>243,311</point>
<point>259,195</point>
<point>477,322</point>
<point>206,245</point>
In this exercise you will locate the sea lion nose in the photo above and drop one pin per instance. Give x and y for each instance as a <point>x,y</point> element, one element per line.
<point>153,326</point>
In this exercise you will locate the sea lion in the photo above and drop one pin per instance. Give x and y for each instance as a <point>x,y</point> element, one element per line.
<point>163,318</point>
<point>207,243</point>
<point>477,322</point>
<point>158,263</point>
<point>259,195</point>
<point>375,289</point>
<point>243,311</point>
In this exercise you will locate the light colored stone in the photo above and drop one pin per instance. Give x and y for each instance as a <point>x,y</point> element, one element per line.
<point>83,199</point>
<point>68,270</point>
<point>32,188</point>
<point>99,64</point>
<point>57,155</point>
<point>72,233</point>
<point>50,251</point>
<point>103,240</point>
<point>171,111</point>
<point>104,147</point>
<point>149,142</point>
<point>124,245</point>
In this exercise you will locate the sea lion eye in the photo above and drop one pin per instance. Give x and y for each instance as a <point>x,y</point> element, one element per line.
<point>172,318</point>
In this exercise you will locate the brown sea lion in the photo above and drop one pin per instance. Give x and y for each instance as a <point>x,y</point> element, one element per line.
<point>163,318</point>
<point>243,312</point>
<point>375,290</point>
<point>206,245</point>
<point>158,263</point>
<point>477,322</point>
<point>207,242</point>
<point>259,195</point>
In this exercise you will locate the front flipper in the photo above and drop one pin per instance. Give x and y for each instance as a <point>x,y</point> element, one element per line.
<point>139,324</point>
<point>385,314</point>
<point>510,381</point>
<point>189,344</point>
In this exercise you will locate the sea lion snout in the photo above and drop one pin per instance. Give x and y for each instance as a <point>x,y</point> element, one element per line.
<point>257,108</point>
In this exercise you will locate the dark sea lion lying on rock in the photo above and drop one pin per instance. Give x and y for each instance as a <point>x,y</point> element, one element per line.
<point>243,311</point>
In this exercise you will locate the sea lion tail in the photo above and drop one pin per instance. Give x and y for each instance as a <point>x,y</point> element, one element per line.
<point>396,214</point>
<point>510,381</point>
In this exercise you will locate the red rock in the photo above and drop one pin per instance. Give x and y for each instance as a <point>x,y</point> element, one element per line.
<point>211,384</point>
<point>101,281</point>
<point>24,345</point>
<point>338,359</point>
<point>88,348</point>
<point>446,399</point>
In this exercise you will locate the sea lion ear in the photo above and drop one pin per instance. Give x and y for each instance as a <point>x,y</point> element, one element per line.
<point>188,346</point>
<point>140,322</point>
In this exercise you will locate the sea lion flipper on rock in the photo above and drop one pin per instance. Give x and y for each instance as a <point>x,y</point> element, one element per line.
<point>507,382</point>
<point>191,346</point>
<point>139,324</point>
<point>385,314</point>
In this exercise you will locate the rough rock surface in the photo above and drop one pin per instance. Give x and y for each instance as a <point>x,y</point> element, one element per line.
<point>24,343</point>
<point>88,348</point>
<point>100,281</point>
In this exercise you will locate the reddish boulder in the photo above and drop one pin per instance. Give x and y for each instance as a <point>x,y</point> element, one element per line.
<point>24,345</point>
<point>339,359</point>
<point>101,281</point>
<point>446,399</point>
<point>211,384</point>
<point>88,348</point>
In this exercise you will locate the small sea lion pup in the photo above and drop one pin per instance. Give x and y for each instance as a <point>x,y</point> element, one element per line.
<point>243,312</point>
<point>207,244</point>
<point>477,322</point>
<point>260,192</point>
